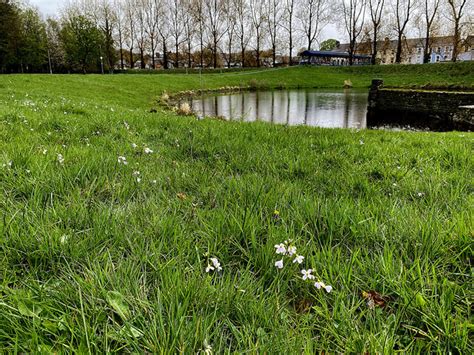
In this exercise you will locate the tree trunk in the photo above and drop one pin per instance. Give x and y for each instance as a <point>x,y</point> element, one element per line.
<point>165,55</point>
<point>176,60</point>
<point>398,55</point>
<point>153,61</point>
<point>274,55</point>
<point>201,44</point>
<point>142,58</point>
<point>189,55</point>
<point>291,47</point>
<point>374,53</point>
<point>258,49</point>
<point>456,41</point>
<point>214,49</point>
<point>351,52</point>
<point>426,50</point>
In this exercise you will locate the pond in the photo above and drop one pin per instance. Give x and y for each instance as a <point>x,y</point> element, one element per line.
<point>321,108</point>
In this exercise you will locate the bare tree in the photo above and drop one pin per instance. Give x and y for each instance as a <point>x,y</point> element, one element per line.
<point>214,10</point>
<point>54,48</point>
<point>189,29</point>
<point>151,21</point>
<point>274,14</point>
<point>457,8</point>
<point>430,10</point>
<point>197,7</point>
<point>176,11</point>
<point>141,35</point>
<point>403,10</point>
<point>314,15</point>
<point>242,9</point>
<point>231,25</point>
<point>257,17</point>
<point>353,12</point>
<point>119,8</point>
<point>287,24</point>
<point>376,8</point>
<point>163,31</point>
<point>130,29</point>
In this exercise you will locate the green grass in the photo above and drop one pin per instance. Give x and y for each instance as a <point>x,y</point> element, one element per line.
<point>93,261</point>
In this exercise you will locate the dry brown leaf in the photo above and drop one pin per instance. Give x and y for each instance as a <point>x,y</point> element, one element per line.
<point>374,299</point>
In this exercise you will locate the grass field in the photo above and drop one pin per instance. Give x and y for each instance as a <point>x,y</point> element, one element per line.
<point>97,255</point>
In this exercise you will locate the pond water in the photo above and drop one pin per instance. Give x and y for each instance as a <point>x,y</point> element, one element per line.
<point>322,108</point>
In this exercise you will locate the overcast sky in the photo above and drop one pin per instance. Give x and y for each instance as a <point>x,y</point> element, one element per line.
<point>47,7</point>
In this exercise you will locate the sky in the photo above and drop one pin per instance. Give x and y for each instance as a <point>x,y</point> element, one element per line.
<point>47,7</point>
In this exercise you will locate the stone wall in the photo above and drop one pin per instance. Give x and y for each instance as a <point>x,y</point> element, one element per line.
<point>436,110</point>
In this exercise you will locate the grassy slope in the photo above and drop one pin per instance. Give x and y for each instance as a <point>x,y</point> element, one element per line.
<point>89,258</point>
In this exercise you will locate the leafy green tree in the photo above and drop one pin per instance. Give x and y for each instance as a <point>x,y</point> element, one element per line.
<point>82,42</point>
<point>10,36</point>
<point>33,46</point>
<point>329,45</point>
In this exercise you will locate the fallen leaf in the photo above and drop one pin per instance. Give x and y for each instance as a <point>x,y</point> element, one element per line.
<point>374,299</point>
<point>182,196</point>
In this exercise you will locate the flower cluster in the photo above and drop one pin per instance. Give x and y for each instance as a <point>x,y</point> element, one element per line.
<point>287,249</point>
<point>213,265</point>
<point>122,160</point>
<point>136,174</point>
<point>60,159</point>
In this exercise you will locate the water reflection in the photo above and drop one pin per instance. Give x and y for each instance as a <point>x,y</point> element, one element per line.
<point>336,109</point>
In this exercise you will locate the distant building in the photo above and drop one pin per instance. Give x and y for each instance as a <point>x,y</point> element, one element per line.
<point>413,50</point>
<point>332,58</point>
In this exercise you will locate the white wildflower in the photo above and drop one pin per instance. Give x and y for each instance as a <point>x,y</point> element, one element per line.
<point>45,151</point>
<point>280,248</point>
<point>122,160</point>
<point>361,142</point>
<point>216,263</point>
<point>291,250</point>
<point>421,194</point>
<point>60,159</point>
<point>134,146</point>
<point>147,150</point>
<point>279,264</point>
<point>207,349</point>
<point>136,173</point>
<point>319,285</point>
<point>307,274</point>
<point>209,268</point>
<point>298,259</point>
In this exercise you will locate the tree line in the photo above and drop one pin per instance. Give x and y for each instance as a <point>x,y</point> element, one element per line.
<point>94,35</point>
